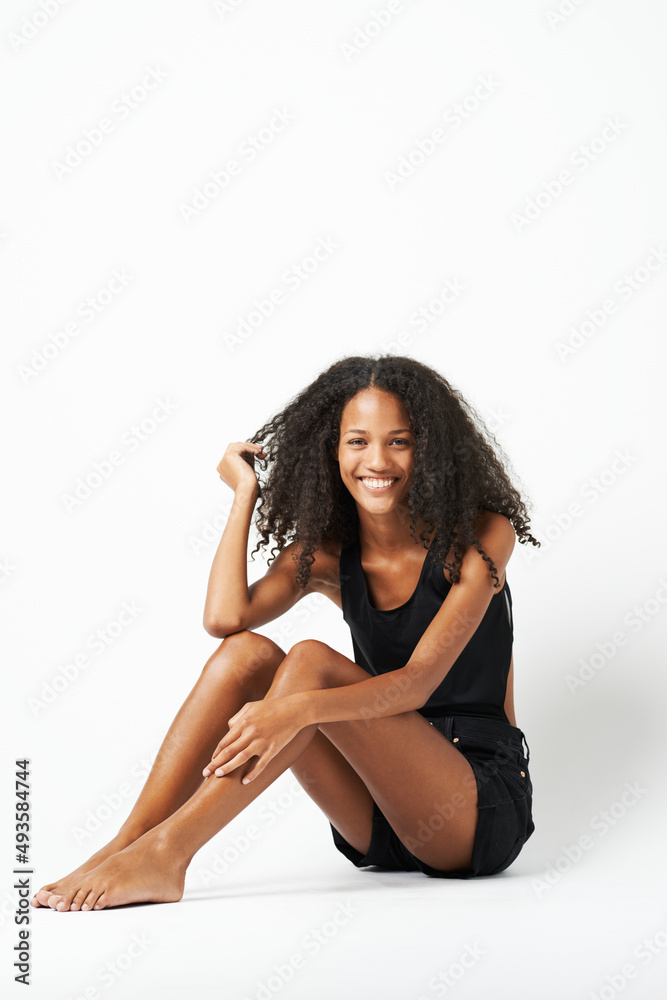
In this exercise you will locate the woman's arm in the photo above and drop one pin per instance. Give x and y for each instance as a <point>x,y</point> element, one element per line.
<point>230,604</point>
<point>227,590</point>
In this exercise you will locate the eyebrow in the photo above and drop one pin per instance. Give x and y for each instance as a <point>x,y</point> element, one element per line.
<point>358,430</point>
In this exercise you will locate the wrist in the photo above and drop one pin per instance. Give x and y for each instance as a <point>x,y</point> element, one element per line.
<point>303,707</point>
<point>247,492</point>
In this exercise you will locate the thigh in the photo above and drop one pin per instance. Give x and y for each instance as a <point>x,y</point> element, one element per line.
<point>419,780</point>
<point>425,789</point>
<point>333,784</point>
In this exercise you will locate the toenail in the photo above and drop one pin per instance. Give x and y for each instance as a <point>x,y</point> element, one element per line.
<point>59,906</point>
<point>97,906</point>
<point>84,906</point>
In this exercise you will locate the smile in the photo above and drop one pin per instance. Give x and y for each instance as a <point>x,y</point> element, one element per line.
<point>377,485</point>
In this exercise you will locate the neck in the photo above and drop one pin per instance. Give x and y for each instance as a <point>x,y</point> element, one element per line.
<point>387,533</point>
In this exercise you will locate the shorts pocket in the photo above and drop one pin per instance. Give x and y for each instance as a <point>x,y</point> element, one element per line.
<point>498,758</point>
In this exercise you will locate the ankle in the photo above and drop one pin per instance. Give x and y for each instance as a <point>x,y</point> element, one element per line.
<point>129,832</point>
<point>165,842</point>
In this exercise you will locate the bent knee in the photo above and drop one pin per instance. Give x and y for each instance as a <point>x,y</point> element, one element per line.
<point>248,656</point>
<point>310,647</point>
<point>319,662</point>
<point>308,662</point>
<point>249,642</point>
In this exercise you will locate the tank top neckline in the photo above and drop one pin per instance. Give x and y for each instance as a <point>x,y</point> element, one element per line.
<point>356,550</point>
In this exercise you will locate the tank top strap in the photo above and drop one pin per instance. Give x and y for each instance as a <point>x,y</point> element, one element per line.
<point>351,580</point>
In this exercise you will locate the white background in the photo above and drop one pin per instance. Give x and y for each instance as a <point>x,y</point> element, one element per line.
<point>583,425</point>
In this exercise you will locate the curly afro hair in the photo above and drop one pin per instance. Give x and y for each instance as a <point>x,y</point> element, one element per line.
<point>457,471</point>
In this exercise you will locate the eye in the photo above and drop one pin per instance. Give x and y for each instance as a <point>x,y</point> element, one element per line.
<point>358,440</point>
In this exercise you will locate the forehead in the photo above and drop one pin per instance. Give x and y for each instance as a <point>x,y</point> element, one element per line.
<point>374,406</point>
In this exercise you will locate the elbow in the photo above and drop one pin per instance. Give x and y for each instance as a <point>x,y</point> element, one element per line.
<point>220,629</point>
<point>418,703</point>
<point>416,691</point>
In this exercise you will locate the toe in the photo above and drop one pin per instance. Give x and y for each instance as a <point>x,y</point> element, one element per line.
<point>42,895</point>
<point>101,901</point>
<point>66,898</point>
<point>53,900</point>
<point>78,899</point>
<point>89,898</point>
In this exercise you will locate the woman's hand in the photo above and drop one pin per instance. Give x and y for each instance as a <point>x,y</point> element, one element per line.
<point>260,728</point>
<point>234,469</point>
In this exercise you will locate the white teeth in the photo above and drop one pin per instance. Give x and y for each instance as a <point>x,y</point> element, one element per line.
<point>376,483</point>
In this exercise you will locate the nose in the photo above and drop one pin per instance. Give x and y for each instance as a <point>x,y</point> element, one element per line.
<point>376,460</point>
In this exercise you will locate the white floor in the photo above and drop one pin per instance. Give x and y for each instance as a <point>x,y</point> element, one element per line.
<point>271,909</point>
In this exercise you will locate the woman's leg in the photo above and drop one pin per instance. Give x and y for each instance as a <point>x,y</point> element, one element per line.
<point>240,670</point>
<point>387,752</point>
<point>153,867</point>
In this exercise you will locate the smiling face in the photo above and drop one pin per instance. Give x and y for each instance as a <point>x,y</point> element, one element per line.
<point>375,450</point>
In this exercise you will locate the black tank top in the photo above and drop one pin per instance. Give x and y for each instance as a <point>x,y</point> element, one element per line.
<point>476,684</point>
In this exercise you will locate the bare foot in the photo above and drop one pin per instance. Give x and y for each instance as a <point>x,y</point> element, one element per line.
<point>145,871</point>
<point>118,843</point>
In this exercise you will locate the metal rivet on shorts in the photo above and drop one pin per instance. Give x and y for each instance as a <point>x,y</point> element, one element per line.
<point>523,774</point>
<point>455,740</point>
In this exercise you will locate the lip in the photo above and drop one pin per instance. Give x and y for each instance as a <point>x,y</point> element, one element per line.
<point>381,489</point>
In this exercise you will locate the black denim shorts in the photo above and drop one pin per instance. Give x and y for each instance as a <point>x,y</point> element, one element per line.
<point>495,750</point>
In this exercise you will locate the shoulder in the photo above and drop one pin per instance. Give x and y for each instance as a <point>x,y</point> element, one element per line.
<point>497,538</point>
<point>497,531</point>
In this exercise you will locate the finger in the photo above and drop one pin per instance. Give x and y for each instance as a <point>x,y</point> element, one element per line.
<point>256,770</point>
<point>226,743</point>
<point>219,759</point>
<point>228,754</point>
<point>216,759</point>
<point>233,722</point>
<point>234,762</point>
<point>253,773</point>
